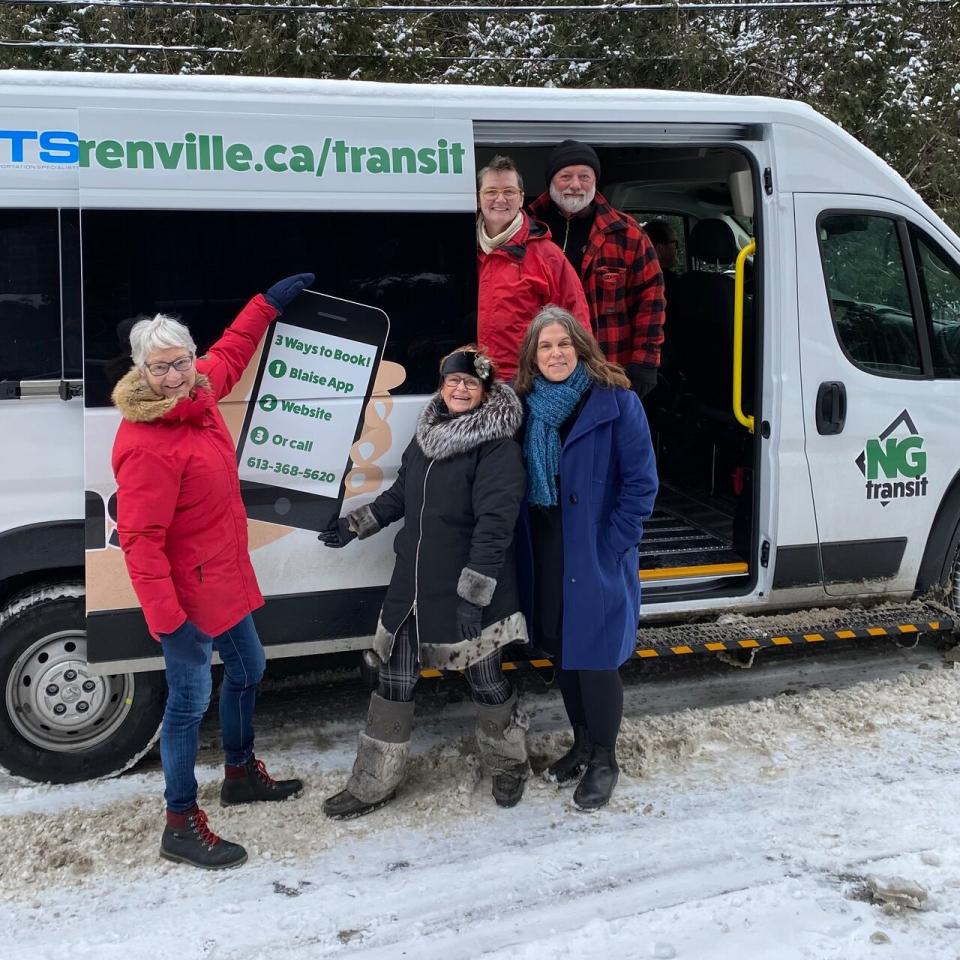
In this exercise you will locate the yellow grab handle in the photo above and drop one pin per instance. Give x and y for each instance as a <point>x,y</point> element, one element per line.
<point>742,418</point>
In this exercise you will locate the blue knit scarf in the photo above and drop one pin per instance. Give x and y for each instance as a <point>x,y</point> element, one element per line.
<point>549,404</point>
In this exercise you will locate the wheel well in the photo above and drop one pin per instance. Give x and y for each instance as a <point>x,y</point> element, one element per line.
<point>944,535</point>
<point>40,553</point>
<point>12,586</point>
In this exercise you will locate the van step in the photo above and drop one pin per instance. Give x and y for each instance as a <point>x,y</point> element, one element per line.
<point>738,632</point>
<point>903,622</point>
<point>671,540</point>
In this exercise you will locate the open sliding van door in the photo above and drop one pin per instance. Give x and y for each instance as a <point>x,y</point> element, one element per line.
<point>873,411</point>
<point>705,538</point>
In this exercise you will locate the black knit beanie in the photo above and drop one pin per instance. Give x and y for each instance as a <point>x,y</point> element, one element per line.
<point>569,153</point>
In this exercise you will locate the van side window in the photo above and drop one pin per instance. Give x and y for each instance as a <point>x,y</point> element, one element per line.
<point>867,284</point>
<point>420,268</point>
<point>678,224</point>
<point>940,285</point>
<point>30,295</point>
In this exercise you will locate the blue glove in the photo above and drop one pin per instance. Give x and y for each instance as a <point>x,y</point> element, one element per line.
<point>185,644</point>
<point>286,291</point>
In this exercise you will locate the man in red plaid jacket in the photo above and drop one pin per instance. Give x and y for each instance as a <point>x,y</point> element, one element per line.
<point>613,257</point>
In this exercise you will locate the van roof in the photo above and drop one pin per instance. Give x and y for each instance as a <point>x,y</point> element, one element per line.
<point>507,99</point>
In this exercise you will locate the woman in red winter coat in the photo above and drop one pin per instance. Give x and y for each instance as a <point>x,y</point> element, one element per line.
<point>183,529</point>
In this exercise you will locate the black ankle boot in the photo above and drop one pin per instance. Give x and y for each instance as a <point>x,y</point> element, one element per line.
<point>188,839</point>
<point>599,779</point>
<point>251,782</point>
<point>507,789</point>
<point>569,767</point>
<point>345,806</point>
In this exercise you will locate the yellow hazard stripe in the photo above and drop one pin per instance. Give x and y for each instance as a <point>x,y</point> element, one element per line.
<point>749,643</point>
<point>704,570</point>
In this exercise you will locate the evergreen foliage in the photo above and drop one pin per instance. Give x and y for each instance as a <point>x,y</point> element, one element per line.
<point>887,74</point>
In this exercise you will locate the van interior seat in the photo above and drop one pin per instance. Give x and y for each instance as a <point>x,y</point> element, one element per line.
<point>712,243</point>
<point>702,318</point>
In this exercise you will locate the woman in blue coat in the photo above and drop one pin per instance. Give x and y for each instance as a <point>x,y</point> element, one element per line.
<point>591,483</point>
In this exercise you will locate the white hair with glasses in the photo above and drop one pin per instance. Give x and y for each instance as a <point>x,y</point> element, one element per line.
<point>158,333</point>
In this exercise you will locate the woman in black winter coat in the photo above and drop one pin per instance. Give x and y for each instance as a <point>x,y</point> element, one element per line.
<point>452,602</point>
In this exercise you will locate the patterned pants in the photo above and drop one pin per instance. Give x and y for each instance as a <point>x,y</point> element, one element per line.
<point>398,677</point>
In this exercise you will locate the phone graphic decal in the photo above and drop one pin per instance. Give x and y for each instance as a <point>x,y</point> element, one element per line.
<point>315,378</point>
<point>305,418</point>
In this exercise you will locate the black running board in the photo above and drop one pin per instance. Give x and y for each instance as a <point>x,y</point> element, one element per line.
<point>903,623</point>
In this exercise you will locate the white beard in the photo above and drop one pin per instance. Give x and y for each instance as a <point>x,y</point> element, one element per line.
<point>572,205</point>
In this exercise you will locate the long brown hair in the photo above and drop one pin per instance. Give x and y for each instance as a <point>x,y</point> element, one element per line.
<point>600,369</point>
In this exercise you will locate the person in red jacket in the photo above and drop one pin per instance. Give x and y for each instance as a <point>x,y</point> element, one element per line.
<point>613,257</point>
<point>183,530</point>
<point>520,269</point>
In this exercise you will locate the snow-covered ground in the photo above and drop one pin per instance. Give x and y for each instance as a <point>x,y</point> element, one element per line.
<point>755,810</point>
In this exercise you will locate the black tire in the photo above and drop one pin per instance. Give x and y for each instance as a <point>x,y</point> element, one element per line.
<point>953,592</point>
<point>953,576</point>
<point>59,724</point>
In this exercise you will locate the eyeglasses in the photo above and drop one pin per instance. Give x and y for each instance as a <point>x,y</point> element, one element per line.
<point>161,369</point>
<point>508,193</point>
<point>454,380</point>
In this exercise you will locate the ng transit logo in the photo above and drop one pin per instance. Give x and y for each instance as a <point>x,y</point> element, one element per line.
<point>897,453</point>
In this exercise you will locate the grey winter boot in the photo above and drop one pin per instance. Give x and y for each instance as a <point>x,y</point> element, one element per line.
<point>381,757</point>
<point>502,739</point>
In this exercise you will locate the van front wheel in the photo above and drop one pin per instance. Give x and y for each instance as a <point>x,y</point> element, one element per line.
<point>58,722</point>
<point>953,596</point>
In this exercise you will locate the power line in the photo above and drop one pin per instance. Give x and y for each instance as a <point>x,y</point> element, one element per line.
<point>114,46</point>
<point>417,9</point>
<point>69,44</point>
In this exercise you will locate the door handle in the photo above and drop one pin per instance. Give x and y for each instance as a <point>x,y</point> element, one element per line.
<point>831,407</point>
<point>38,389</point>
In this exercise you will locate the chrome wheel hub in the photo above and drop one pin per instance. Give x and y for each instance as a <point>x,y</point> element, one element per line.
<point>56,703</point>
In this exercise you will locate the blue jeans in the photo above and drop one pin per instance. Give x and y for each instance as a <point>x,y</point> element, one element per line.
<point>188,697</point>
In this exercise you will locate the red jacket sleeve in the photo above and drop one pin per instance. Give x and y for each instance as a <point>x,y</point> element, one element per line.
<point>226,360</point>
<point>147,489</point>
<point>569,292</point>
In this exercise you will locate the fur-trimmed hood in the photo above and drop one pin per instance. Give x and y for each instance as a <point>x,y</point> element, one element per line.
<point>137,403</point>
<point>441,436</point>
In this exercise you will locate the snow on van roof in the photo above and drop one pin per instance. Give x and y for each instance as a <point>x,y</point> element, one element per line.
<point>450,93</point>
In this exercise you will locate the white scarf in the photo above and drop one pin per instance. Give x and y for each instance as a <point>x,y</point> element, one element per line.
<point>489,244</point>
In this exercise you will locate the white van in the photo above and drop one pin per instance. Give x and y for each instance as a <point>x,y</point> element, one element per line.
<point>806,421</point>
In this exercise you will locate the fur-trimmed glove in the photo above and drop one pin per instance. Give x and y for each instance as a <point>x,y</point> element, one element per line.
<point>339,535</point>
<point>469,616</point>
<point>185,644</point>
<point>284,292</point>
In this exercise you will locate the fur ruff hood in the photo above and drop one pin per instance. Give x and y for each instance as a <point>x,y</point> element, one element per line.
<point>442,437</point>
<point>139,404</point>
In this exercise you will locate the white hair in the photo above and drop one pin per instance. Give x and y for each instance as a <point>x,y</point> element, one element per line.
<point>572,205</point>
<point>158,333</point>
